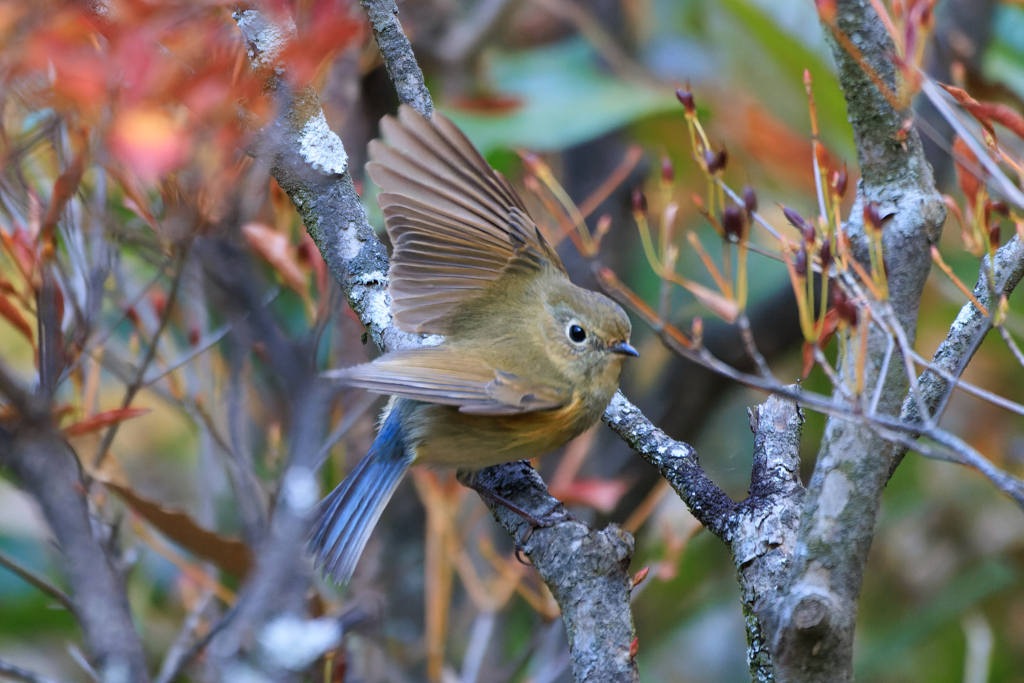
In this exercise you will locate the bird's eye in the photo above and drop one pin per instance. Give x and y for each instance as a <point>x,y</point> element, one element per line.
<point>577,334</point>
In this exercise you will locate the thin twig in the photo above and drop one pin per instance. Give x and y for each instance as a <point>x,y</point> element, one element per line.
<point>16,673</point>
<point>876,396</point>
<point>39,582</point>
<point>180,648</point>
<point>139,380</point>
<point>1010,343</point>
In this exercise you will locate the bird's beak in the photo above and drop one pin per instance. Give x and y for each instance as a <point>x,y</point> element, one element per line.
<point>624,348</point>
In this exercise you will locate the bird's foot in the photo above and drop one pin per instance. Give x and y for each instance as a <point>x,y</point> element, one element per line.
<point>554,515</point>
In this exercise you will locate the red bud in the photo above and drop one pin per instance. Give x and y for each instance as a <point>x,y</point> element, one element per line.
<point>749,199</point>
<point>871,216</point>
<point>825,254</point>
<point>710,159</point>
<point>194,337</point>
<point>795,219</point>
<point>999,207</point>
<point>639,577</point>
<point>686,99</point>
<point>839,180</point>
<point>993,234</point>
<point>668,172</point>
<point>733,222</point>
<point>722,160</point>
<point>639,201</point>
<point>845,308</point>
<point>634,648</point>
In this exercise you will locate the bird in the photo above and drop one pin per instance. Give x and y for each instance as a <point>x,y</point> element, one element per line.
<point>528,360</point>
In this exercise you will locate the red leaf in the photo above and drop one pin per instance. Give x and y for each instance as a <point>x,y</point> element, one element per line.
<point>102,420</point>
<point>967,170</point>
<point>600,494</point>
<point>808,360</point>
<point>63,190</point>
<point>11,313</point>
<point>275,249</point>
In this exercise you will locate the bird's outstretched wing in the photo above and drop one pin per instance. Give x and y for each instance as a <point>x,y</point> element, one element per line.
<point>456,224</point>
<point>437,375</point>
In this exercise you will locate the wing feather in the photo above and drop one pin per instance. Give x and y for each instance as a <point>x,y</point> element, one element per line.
<point>439,375</point>
<point>456,224</point>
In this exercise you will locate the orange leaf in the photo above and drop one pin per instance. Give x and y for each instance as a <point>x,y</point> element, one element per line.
<point>230,555</point>
<point>275,249</point>
<point>11,313</point>
<point>20,245</point>
<point>63,190</point>
<point>967,169</point>
<point>808,360</point>
<point>1002,114</point>
<point>150,142</point>
<point>102,420</point>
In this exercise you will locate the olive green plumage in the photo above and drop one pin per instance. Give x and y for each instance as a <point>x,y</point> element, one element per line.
<point>529,360</point>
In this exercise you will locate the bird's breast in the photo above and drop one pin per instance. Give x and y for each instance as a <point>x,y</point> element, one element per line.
<point>443,436</point>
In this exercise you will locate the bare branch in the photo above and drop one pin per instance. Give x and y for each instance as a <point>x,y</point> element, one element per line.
<point>40,582</point>
<point>816,616</point>
<point>586,570</point>
<point>16,673</point>
<point>49,470</point>
<point>676,461</point>
<point>965,335</point>
<point>399,60</point>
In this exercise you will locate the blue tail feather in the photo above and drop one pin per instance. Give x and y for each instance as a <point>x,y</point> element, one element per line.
<point>346,517</point>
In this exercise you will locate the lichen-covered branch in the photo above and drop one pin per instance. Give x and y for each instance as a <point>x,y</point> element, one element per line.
<point>675,460</point>
<point>587,570</point>
<point>763,531</point>
<point>966,333</point>
<point>813,640</point>
<point>309,163</point>
<point>403,69</point>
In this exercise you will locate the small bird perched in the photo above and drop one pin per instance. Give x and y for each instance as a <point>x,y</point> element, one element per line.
<point>528,362</point>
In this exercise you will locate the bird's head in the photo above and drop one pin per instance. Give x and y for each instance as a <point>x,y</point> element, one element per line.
<point>588,335</point>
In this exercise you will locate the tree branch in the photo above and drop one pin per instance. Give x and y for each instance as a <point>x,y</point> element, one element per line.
<point>814,619</point>
<point>49,470</point>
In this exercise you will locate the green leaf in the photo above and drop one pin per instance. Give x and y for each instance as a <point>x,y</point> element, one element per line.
<point>566,99</point>
<point>959,595</point>
<point>1004,59</point>
<point>791,55</point>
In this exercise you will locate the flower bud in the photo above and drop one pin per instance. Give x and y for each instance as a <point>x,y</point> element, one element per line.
<point>686,99</point>
<point>668,172</point>
<point>639,201</point>
<point>993,235</point>
<point>800,265</point>
<point>872,218</point>
<point>749,199</point>
<point>798,222</point>
<point>839,180</point>
<point>845,308</point>
<point>999,206</point>
<point>733,223</point>
<point>722,160</point>
<point>825,254</point>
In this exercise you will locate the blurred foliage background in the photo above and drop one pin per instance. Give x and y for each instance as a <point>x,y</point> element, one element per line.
<point>587,85</point>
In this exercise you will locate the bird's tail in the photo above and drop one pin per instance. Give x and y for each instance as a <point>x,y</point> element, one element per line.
<point>346,517</point>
